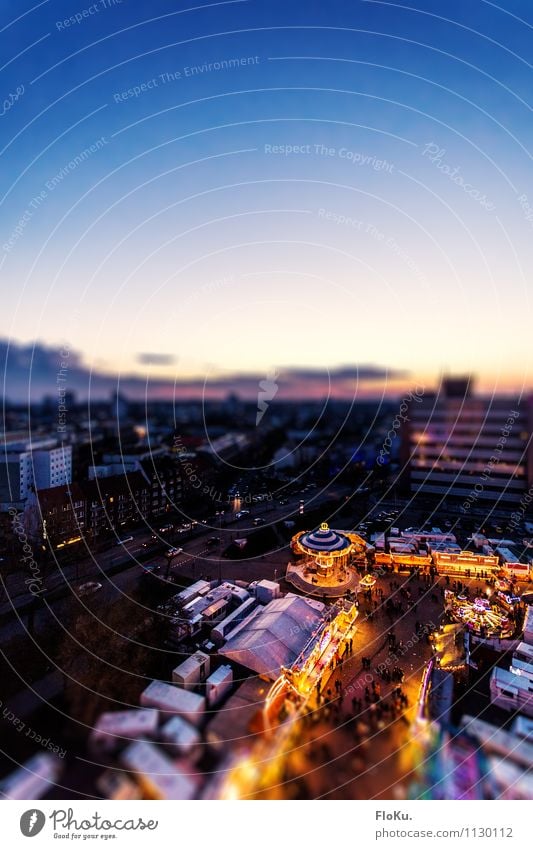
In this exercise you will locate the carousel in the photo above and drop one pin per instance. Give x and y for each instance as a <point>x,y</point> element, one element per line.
<point>322,563</point>
<point>478,616</point>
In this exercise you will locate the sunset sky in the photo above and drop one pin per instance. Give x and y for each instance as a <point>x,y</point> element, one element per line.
<point>258,185</point>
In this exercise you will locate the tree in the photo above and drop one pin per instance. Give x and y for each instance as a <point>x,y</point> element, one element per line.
<point>105,661</point>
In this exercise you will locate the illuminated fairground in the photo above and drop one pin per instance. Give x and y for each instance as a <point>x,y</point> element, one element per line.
<point>479,616</point>
<point>295,693</point>
<point>323,561</point>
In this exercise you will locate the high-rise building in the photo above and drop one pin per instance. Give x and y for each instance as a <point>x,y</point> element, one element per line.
<point>463,446</point>
<point>24,470</point>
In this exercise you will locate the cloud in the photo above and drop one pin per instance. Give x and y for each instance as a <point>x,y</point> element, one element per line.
<point>32,371</point>
<point>156,359</point>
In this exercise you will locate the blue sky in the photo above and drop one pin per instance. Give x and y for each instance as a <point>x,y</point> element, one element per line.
<point>255,185</point>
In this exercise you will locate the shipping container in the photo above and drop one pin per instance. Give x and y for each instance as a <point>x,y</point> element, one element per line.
<point>523,727</point>
<point>112,729</point>
<point>181,737</point>
<point>34,779</point>
<point>266,591</point>
<point>193,671</point>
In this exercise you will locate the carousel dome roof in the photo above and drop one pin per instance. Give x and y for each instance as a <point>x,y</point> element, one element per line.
<point>325,540</point>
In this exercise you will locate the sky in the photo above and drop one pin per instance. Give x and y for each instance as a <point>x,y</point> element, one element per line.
<point>199,190</point>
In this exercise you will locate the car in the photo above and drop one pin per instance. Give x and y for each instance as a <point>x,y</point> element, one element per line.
<point>259,521</point>
<point>211,541</point>
<point>88,588</point>
<point>242,513</point>
<point>124,541</point>
<point>150,568</point>
<point>283,501</point>
<point>173,552</point>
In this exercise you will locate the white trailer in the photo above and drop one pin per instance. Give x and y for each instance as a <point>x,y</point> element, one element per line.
<point>192,592</point>
<point>218,633</point>
<point>522,662</point>
<point>170,699</point>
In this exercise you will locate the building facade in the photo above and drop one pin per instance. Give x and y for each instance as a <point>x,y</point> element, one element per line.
<point>476,449</point>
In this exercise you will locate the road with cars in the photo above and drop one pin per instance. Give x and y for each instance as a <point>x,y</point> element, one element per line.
<point>118,570</point>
